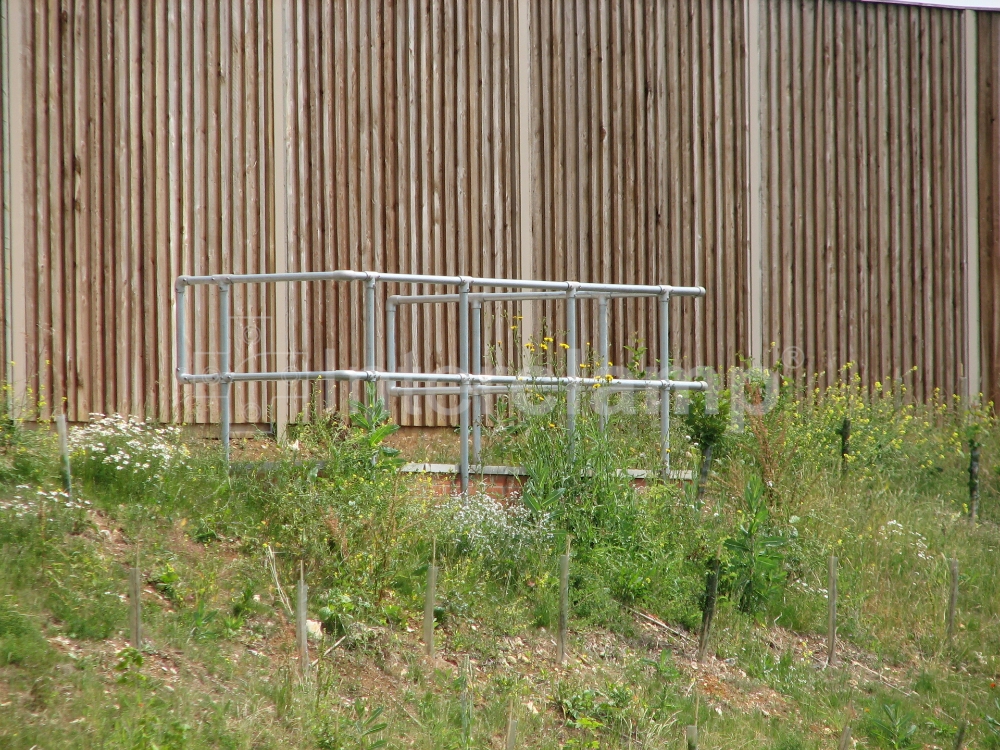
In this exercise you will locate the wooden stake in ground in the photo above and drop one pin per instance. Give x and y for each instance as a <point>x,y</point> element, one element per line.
<point>960,737</point>
<point>953,597</point>
<point>831,624</point>
<point>973,479</point>
<point>63,431</point>
<point>301,615</point>
<point>845,443</point>
<point>563,603</point>
<point>845,738</point>
<point>711,594</point>
<point>692,737</point>
<point>511,728</point>
<point>135,602</point>
<point>429,597</point>
<point>706,466</point>
<point>466,702</point>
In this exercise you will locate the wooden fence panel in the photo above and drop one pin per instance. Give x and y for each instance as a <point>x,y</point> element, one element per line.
<point>146,158</point>
<point>402,119</point>
<point>641,168</point>
<point>862,122</point>
<point>149,145</point>
<point>989,199</point>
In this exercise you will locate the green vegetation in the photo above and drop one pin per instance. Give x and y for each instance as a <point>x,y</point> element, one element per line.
<point>220,552</point>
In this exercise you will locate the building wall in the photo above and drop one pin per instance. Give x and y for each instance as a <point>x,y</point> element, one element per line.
<point>149,151</point>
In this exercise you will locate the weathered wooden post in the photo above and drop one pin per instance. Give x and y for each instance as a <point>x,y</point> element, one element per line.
<point>430,594</point>
<point>301,624</point>
<point>706,465</point>
<point>973,479</point>
<point>135,602</point>
<point>960,737</point>
<point>67,476</point>
<point>511,742</point>
<point>692,736</point>
<point>953,597</point>
<point>845,738</point>
<point>845,443</point>
<point>831,637</point>
<point>563,602</point>
<point>708,614</point>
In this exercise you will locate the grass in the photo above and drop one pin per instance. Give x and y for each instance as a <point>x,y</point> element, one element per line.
<point>219,667</point>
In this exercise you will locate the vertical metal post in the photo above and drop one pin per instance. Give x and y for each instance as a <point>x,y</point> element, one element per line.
<point>572,368</point>
<point>226,386</point>
<point>179,313</point>
<point>664,300</point>
<point>390,342</point>
<point>463,366</point>
<point>477,368</point>
<point>369,328</point>
<point>602,353</point>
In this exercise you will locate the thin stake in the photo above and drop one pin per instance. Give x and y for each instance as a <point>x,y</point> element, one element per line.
<point>563,602</point>
<point>831,624</point>
<point>511,728</point>
<point>707,615</point>
<point>973,479</point>
<point>67,476</point>
<point>845,738</point>
<point>692,737</point>
<point>135,600</point>
<point>845,443</point>
<point>301,628</point>
<point>466,702</point>
<point>706,466</point>
<point>953,598</point>
<point>960,737</point>
<point>432,573</point>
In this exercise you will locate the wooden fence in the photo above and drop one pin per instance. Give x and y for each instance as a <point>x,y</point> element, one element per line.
<point>149,147</point>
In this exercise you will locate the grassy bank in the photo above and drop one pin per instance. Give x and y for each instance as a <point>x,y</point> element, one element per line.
<point>219,667</point>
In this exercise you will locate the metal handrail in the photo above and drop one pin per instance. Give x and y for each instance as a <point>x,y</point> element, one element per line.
<point>465,379</point>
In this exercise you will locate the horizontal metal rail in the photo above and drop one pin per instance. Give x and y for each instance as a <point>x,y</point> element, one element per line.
<point>410,278</point>
<point>469,383</point>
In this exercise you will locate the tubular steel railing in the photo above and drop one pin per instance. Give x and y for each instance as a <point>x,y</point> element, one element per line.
<point>469,381</point>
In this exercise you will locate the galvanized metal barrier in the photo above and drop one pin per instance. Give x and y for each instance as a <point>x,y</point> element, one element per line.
<point>470,378</point>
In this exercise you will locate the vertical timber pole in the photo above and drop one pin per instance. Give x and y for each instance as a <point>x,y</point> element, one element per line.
<point>463,366</point>
<point>280,22</point>
<point>973,353</point>
<point>602,353</point>
<point>664,301</point>
<point>477,368</point>
<point>572,368</point>
<point>525,145</point>
<point>15,52</point>
<point>755,268</point>
<point>225,385</point>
